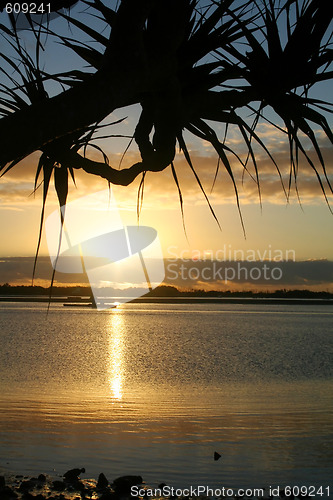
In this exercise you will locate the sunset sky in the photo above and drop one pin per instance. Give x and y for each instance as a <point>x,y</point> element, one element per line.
<point>279,226</point>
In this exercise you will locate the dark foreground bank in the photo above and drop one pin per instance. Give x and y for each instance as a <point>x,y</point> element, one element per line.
<point>71,487</point>
<point>68,487</point>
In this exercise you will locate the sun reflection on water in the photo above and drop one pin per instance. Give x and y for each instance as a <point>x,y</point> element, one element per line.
<point>116,354</point>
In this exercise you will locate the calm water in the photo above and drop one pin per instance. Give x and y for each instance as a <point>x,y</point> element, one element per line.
<point>156,389</point>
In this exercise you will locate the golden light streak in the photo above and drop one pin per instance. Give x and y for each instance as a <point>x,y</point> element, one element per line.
<point>116,354</point>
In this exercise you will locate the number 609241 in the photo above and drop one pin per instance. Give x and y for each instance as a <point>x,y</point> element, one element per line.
<point>28,8</point>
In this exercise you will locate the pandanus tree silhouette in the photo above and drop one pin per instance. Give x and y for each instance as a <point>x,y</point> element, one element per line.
<point>187,63</point>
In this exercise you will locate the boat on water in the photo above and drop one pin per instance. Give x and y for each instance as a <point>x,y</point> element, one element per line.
<point>78,304</point>
<point>82,302</point>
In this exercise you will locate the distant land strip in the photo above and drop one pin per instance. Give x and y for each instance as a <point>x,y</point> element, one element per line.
<point>164,295</point>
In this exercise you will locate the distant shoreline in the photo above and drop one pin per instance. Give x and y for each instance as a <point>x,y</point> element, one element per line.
<point>163,294</point>
<point>177,300</point>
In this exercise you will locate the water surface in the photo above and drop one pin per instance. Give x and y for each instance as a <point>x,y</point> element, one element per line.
<point>156,389</point>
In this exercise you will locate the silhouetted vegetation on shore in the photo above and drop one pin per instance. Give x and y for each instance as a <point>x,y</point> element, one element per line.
<point>163,291</point>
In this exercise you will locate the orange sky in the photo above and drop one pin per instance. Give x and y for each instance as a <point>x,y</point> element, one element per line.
<point>279,226</point>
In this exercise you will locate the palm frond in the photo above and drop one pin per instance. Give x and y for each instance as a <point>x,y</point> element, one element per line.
<point>184,149</point>
<point>181,202</point>
<point>220,60</point>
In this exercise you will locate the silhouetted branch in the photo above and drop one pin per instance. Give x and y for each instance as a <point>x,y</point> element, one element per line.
<point>122,177</point>
<point>171,58</point>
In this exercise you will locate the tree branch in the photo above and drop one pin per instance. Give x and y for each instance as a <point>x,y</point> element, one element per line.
<point>37,125</point>
<point>122,177</point>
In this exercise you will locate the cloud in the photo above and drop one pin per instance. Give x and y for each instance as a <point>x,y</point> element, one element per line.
<point>215,274</point>
<point>18,271</point>
<point>160,188</point>
<point>245,275</point>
